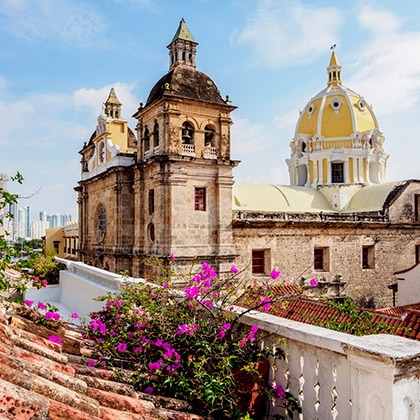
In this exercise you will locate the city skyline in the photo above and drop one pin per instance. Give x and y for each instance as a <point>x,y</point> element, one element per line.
<point>61,58</point>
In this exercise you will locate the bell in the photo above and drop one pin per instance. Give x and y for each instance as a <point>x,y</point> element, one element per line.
<point>186,134</point>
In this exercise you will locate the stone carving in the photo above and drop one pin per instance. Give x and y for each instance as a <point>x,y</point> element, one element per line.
<point>173,139</point>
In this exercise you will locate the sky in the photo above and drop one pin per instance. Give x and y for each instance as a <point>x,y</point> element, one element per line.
<point>59,59</point>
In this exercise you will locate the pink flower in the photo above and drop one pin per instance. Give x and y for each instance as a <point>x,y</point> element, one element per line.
<point>208,304</point>
<point>254,329</point>
<point>223,330</point>
<point>74,315</point>
<point>172,256</point>
<point>165,285</point>
<point>156,365</point>
<point>49,315</point>
<point>122,347</point>
<point>138,349</point>
<point>275,274</point>
<point>36,278</point>
<point>148,390</point>
<point>28,302</point>
<point>144,340</point>
<point>265,303</point>
<point>55,339</point>
<point>234,269</point>
<point>158,342</point>
<point>42,306</point>
<point>44,283</point>
<point>118,303</point>
<point>242,342</point>
<point>313,282</point>
<point>56,316</point>
<point>278,391</point>
<point>91,363</point>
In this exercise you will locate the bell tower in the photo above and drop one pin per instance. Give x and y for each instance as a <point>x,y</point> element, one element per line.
<point>183,180</point>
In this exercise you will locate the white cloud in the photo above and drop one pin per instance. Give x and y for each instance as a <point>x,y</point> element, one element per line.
<point>248,137</point>
<point>286,33</point>
<point>92,99</point>
<point>69,21</point>
<point>387,70</point>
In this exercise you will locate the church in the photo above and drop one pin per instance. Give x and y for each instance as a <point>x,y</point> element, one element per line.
<point>169,189</point>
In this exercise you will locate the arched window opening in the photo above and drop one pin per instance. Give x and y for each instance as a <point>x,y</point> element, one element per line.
<point>156,135</point>
<point>146,139</point>
<point>303,147</point>
<point>187,133</point>
<point>209,134</point>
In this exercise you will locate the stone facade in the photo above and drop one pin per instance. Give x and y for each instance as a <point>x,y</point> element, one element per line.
<point>171,191</point>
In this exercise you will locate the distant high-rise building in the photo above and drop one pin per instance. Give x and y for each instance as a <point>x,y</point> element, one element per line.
<point>22,223</point>
<point>53,220</point>
<point>38,228</point>
<point>65,218</point>
<point>43,216</point>
<point>3,211</point>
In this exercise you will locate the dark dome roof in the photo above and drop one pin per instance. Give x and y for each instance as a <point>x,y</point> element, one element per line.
<point>186,82</point>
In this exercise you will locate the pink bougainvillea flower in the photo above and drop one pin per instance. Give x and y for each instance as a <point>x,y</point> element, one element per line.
<point>92,363</point>
<point>41,306</point>
<point>223,330</point>
<point>148,390</point>
<point>208,304</point>
<point>49,315</point>
<point>56,316</point>
<point>36,278</point>
<point>118,303</point>
<point>172,256</point>
<point>44,283</point>
<point>278,391</point>
<point>242,343</point>
<point>156,365</point>
<point>138,349</point>
<point>265,304</point>
<point>55,339</point>
<point>275,274</point>
<point>234,269</point>
<point>144,340</point>
<point>74,315</point>
<point>28,302</point>
<point>158,342</point>
<point>254,329</point>
<point>122,347</point>
<point>165,285</point>
<point>313,282</point>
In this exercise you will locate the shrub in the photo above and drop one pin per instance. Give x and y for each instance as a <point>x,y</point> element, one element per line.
<point>182,343</point>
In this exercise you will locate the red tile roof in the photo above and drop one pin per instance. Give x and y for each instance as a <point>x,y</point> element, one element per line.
<point>292,304</point>
<point>43,380</point>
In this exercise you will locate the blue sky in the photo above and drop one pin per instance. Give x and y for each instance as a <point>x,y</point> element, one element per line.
<point>59,58</point>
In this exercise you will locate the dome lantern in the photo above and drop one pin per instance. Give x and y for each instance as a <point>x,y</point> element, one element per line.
<point>334,70</point>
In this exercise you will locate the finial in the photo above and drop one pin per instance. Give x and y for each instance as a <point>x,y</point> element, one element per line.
<point>141,105</point>
<point>227,99</point>
<point>167,86</point>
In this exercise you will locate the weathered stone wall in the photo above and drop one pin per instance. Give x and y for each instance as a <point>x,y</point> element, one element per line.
<point>290,248</point>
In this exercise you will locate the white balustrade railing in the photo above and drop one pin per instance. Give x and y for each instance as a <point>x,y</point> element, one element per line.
<point>188,150</point>
<point>339,376</point>
<point>210,152</point>
<point>334,375</point>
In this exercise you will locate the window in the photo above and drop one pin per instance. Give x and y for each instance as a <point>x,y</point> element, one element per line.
<point>200,199</point>
<point>337,173</point>
<point>151,232</point>
<point>156,135</point>
<point>151,201</point>
<point>417,254</point>
<point>321,259</point>
<point>417,207</point>
<point>146,139</point>
<point>258,261</point>
<point>56,245</point>
<point>209,133</point>
<point>368,257</point>
<point>187,133</point>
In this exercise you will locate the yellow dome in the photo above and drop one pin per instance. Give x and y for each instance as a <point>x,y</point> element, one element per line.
<point>337,139</point>
<point>336,112</point>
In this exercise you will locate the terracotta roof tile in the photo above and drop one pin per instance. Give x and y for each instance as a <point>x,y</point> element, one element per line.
<point>43,380</point>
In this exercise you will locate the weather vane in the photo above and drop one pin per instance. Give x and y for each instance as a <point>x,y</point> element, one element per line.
<point>333,47</point>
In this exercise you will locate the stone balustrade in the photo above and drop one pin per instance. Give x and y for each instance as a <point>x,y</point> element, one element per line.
<point>334,375</point>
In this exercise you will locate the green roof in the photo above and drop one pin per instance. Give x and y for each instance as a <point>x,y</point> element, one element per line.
<point>183,33</point>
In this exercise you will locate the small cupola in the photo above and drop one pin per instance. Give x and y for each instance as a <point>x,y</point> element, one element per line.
<point>334,70</point>
<point>112,106</point>
<point>182,49</point>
